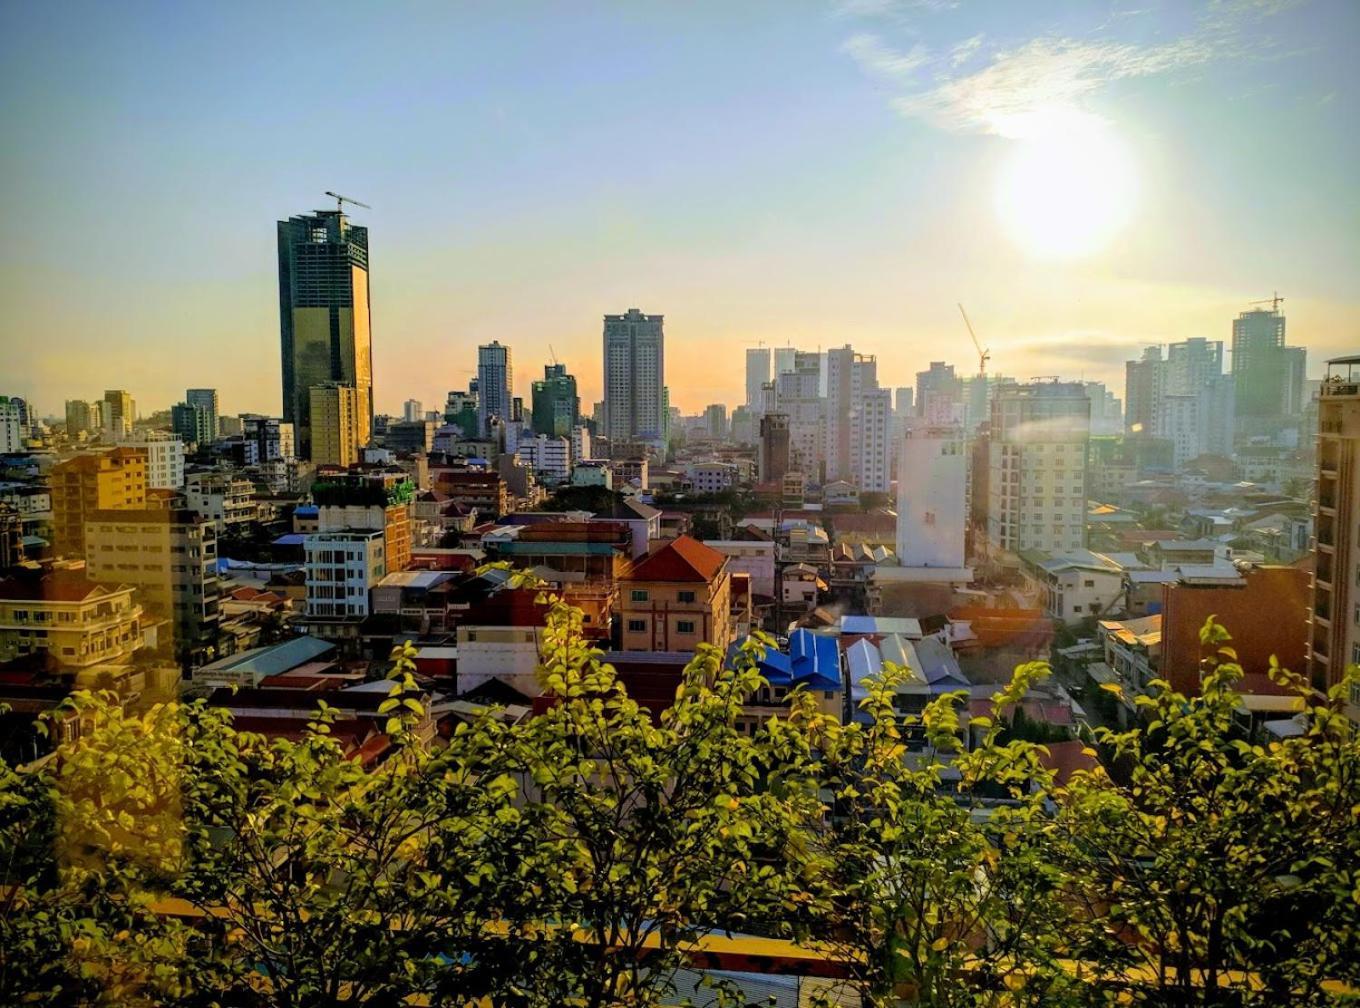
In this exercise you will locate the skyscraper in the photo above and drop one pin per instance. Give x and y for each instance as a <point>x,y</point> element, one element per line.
<point>333,419</point>
<point>1267,375</point>
<point>1144,386</point>
<point>939,394</point>
<point>206,400</point>
<point>757,375</point>
<point>324,316</point>
<point>784,357</point>
<point>555,406</point>
<point>635,406</point>
<point>495,379</point>
<point>858,420</point>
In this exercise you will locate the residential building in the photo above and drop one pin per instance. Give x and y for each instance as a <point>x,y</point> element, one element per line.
<point>1334,613</point>
<point>412,411</point>
<point>206,400</point>
<point>12,433</point>
<point>858,421</point>
<point>774,446</point>
<point>224,499</point>
<point>1036,479</point>
<point>333,424</point>
<point>1144,385</point>
<point>798,396</point>
<point>342,568</point>
<point>932,514</point>
<point>635,406</point>
<point>549,457</point>
<point>1266,609</point>
<point>556,406</point>
<point>379,502</point>
<point>939,395</point>
<point>73,622</point>
<point>410,437</point>
<point>1074,585</point>
<point>117,412</point>
<point>191,424</point>
<point>1267,375</point>
<point>752,553</point>
<point>93,482</point>
<point>712,477</point>
<point>324,317</point>
<point>272,436</point>
<point>164,457</point>
<point>757,377</point>
<point>676,598</point>
<point>871,449</point>
<point>170,557</point>
<point>1132,651</point>
<point>82,417</point>
<point>715,421</point>
<point>483,491</point>
<point>495,380</point>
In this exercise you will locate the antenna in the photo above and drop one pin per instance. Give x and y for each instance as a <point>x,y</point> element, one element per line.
<point>340,202</point>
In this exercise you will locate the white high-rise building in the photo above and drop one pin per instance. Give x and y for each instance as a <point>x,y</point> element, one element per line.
<point>412,410</point>
<point>798,396</point>
<point>932,481</point>
<point>164,457</point>
<point>1036,472</point>
<point>871,448</point>
<point>11,425</point>
<point>858,421</point>
<point>635,405</point>
<point>757,377</point>
<point>784,360</point>
<point>495,378</point>
<point>547,456</point>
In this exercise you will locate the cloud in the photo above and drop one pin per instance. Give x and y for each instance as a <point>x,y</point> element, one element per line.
<point>879,60</point>
<point>889,8</point>
<point>1025,81</point>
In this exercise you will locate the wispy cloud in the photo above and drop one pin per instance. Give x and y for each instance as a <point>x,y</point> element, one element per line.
<point>1004,88</point>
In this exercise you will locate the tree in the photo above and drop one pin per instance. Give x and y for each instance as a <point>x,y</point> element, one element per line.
<point>1222,871</point>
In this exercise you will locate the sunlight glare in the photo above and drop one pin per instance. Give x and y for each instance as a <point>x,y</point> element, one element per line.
<point>1068,188</point>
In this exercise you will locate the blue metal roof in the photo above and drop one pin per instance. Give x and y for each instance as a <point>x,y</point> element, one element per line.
<point>816,659</point>
<point>273,659</point>
<point>306,511</point>
<point>289,539</point>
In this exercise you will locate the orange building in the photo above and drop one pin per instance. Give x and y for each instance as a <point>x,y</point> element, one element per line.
<point>98,481</point>
<point>1266,610</point>
<point>676,598</point>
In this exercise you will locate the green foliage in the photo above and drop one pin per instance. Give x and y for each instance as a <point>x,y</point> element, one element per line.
<point>576,857</point>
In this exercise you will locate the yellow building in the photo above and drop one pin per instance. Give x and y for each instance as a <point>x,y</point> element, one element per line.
<point>170,556</point>
<point>676,598</point>
<point>334,423</point>
<point>64,615</point>
<point>87,483</point>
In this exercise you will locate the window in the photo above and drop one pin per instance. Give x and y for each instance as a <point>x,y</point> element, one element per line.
<point>637,625</point>
<point>1089,584</point>
<point>684,626</point>
<point>638,595</point>
<point>686,596</point>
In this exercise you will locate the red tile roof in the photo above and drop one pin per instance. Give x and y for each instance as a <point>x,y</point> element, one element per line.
<point>681,559</point>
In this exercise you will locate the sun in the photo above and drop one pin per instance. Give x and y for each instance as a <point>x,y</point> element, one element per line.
<point>1068,188</point>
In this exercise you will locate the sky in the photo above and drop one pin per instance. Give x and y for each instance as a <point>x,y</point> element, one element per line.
<point>1085,178</point>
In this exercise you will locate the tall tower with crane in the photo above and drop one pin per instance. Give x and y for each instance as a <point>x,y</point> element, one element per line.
<point>324,333</point>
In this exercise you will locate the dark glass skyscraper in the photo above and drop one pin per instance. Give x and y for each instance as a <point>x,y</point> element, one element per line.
<point>324,316</point>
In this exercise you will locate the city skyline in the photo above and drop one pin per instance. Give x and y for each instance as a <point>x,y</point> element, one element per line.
<point>848,184</point>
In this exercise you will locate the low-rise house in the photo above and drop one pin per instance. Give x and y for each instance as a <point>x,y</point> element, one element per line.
<point>1132,649</point>
<point>70,621</point>
<point>1076,585</point>
<point>675,598</point>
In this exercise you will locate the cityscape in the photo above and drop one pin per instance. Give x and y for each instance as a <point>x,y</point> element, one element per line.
<point>893,675</point>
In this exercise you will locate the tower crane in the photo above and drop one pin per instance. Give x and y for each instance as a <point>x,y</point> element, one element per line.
<point>340,202</point>
<point>983,355</point>
<point>1274,302</point>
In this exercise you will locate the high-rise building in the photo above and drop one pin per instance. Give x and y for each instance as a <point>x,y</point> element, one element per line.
<point>931,507</point>
<point>378,502</point>
<point>1192,364</point>
<point>11,425</point>
<point>757,376</point>
<point>1036,474</point>
<point>715,421</point>
<point>272,437</point>
<point>333,420</point>
<point>858,421</point>
<point>798,396</point>
<point>206,400</point>
<point>118,412</point>
<point>80,418</point>
<point>175,573</point>
<point>100,481</point>
<point>412,411</point>
<point>164,457</point>
<point>1144,386</point>
<point>783,360</point>
<point>872,446</point>
<point>556,408</point>
<point>774,446</point>
<point>636,403</point>
<point>904,402</point>
<point>1267,375</point>
<point>939,395</point>
<point>495,379</point>
<point>1334,630</point>
<point>324,317</point>
<point>191,424</point>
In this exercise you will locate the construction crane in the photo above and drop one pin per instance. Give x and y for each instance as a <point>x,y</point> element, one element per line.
<point>340,202</point>
<point>553,354</point>
<point>1274,302</point>
<point>983,355</point>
